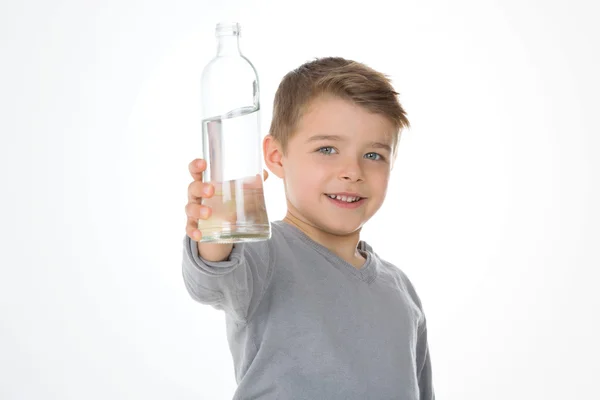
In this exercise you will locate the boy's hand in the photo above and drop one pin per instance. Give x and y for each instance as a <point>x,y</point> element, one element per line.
<point>198,190</point>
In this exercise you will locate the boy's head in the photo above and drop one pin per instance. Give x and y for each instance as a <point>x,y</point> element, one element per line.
<point>335,128</point>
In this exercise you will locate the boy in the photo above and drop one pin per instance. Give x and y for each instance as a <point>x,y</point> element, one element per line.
<point>313,312</point>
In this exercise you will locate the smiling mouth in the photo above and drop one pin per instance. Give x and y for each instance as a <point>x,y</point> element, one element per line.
<point>347,199</point>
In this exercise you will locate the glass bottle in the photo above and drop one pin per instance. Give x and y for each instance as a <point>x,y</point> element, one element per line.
<point>231,142</point>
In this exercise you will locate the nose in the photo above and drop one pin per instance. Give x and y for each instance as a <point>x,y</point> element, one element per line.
<point>351,171</point>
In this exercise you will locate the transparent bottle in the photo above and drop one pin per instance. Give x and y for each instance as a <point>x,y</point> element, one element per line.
<point>231,142</point>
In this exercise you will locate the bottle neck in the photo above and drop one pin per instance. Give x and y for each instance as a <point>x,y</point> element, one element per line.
<point>228,45</point>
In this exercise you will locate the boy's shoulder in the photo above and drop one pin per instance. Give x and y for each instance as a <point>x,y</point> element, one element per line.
<point>396,274</point>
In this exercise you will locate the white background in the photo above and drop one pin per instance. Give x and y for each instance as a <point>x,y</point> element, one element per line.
<point>490,210</point>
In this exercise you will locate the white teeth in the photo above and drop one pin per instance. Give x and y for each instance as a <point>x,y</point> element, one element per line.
<point>344,198</point>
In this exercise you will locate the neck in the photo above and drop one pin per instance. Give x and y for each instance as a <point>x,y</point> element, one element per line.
<point>346,247</point>
<point>228,45</point>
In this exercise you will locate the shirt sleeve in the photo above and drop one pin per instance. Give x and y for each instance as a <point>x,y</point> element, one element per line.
<point>235,285</point>
<point>423,358</point>
<point>424,366</point>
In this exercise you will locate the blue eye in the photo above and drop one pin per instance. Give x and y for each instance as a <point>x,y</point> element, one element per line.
<point>376,155</point>
<point>320,150</point>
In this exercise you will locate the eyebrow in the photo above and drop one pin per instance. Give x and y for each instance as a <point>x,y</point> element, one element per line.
<point>338,138</point>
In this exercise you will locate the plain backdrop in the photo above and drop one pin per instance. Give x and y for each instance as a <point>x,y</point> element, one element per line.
<point>492,209</point>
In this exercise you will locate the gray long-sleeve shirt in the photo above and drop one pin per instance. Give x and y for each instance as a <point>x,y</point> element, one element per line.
<point>302,323</point>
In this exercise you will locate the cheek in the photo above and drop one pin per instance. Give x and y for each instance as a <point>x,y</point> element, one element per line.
<point>304,184</point>
<point>307,172</point>
<point>379,183</point>
<point>300,181</point>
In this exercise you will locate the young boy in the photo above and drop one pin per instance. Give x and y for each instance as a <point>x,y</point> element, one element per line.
<point>314,312</point>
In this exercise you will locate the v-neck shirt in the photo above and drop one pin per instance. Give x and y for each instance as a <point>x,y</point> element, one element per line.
<point>303,323</point>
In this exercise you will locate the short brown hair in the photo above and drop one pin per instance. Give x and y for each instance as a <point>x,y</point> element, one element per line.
<point>347,79</point>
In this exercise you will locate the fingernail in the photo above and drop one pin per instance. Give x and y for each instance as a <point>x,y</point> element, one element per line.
<point>196,235</point>
<point>199,163</point>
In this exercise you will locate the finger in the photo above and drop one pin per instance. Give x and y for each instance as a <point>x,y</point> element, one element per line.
<point>196,212</point>
<point>197,190</point>
<point>196,168</point>
<point>192,231</point>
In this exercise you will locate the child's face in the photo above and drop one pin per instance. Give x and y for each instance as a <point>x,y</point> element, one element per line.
<point>357,161</point>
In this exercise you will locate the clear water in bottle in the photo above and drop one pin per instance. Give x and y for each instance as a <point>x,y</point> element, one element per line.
<point>238,206</point>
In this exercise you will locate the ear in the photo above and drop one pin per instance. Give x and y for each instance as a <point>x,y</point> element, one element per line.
<point>273,154</point>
